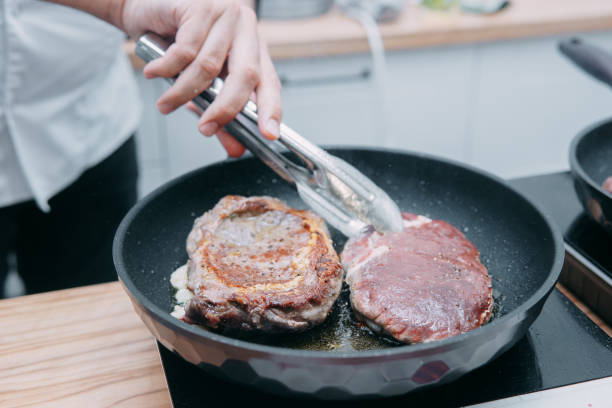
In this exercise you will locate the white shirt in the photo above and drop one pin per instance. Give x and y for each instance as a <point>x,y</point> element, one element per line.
<point>68,97</point>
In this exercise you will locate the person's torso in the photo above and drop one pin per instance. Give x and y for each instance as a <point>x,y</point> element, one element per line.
<point>68,97</point>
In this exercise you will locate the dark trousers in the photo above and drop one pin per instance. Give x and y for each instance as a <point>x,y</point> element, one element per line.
<point>71,245</point>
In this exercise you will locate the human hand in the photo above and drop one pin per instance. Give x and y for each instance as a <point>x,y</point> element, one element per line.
<point>231,145</point>
<point>211,37</point>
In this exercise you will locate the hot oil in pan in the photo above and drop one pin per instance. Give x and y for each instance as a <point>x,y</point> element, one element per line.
<point>340,332</point>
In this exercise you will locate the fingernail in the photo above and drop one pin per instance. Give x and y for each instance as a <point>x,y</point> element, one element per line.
<point>209,129</point>
<point>272,127</point>
<point>164,107</point>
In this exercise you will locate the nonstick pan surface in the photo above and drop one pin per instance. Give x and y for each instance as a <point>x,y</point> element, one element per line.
<point>591,164</point>
<point>518,243</point>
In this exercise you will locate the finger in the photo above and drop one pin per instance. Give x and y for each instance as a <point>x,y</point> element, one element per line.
<point>188,41</point>
<point>231,145</point>
<point>244,73</point>
<point>178,56</point>
<point>194,108</point>
<point>269,105</point>
<point>200,73</point>
<point>193,24</point>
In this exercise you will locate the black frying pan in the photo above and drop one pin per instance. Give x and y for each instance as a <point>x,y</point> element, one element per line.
<point>591,150</point>
<point>591,164</point>
<point>518,244</point>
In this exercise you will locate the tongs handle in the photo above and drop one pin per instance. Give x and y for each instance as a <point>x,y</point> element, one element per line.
<point>337,191</point>
<point>244,128</point>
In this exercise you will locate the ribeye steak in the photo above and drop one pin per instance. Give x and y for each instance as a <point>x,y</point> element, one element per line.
<point>257,264</point>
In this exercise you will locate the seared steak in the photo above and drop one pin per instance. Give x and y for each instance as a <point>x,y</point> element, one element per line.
<point>422,284</point>
<point>256,264</point>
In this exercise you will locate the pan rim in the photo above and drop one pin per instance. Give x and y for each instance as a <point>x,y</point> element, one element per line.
<point>573,155</point>
<point>188,330</point>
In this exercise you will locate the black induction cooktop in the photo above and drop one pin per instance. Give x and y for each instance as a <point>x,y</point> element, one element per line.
<point>555,194</point>
<point>562,346</point>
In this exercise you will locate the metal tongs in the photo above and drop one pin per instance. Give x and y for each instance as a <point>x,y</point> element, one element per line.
<point>338,192</point>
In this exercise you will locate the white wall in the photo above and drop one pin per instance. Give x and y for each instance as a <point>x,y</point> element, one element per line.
<point>508,107</point>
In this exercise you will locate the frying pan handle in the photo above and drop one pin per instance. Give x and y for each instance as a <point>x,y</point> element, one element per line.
<point>593,60</point>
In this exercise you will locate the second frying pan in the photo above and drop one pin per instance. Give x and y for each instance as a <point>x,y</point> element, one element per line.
<point>591,164</point>
<point>591,150</point>
<point>519,245</point>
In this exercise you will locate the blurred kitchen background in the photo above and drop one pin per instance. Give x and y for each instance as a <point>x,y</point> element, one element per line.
<point>477,81</point>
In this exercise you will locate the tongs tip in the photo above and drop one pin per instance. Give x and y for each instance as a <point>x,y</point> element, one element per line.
<point>386,216</point>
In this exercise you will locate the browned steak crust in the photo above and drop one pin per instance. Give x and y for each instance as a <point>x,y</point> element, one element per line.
<point>256,264</point>
<point>422,284</point>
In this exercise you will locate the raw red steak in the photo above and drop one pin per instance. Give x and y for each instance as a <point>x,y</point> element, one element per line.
<point>422,284</point>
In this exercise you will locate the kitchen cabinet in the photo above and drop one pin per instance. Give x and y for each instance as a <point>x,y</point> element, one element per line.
<point>509,107</point>
<point>529,102</point>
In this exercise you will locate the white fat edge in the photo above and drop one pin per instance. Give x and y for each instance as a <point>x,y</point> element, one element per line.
<point>420,220</point>
<point>376,252</point>
<point>313,313</point>
<point>316,313</point>
<point>383,249</point>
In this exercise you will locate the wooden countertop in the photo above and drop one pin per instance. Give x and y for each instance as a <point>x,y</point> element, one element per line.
<point>79,347</point>
<point>87,347</point>
<point>417,26</point>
